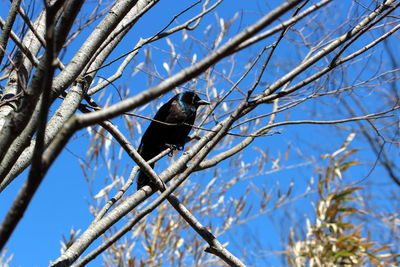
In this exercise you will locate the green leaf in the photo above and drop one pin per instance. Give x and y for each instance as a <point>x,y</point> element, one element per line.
<point>343,253</point>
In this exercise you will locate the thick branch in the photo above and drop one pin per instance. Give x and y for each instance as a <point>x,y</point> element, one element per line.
<point>93,42</point>
<point>5,35</point>
<point>24,197</point>
<point>12,168</point>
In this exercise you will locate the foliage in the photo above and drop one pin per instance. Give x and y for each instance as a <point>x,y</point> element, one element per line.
<point>333,239</point>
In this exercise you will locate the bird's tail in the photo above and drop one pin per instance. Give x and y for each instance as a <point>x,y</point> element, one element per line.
<point>143,179</point>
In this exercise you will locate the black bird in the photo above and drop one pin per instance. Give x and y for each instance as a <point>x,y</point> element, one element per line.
<point>178,115</point>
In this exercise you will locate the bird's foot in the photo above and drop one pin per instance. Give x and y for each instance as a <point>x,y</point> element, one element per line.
<point>174,147</point>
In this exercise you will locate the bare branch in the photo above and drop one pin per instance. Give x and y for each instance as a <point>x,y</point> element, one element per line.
<point>7,26</point>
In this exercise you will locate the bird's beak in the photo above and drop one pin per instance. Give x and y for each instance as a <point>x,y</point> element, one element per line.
<point>202,102</point>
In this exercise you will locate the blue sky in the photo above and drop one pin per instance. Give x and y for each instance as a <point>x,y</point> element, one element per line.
<point>62,200</point>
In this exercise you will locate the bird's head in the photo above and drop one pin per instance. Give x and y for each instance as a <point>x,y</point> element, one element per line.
<point>191,98</point>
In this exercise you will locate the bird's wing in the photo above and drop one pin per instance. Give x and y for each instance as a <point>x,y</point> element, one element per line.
<point>162,112</point>
<point>153,130</point>
<point>175,114</point>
